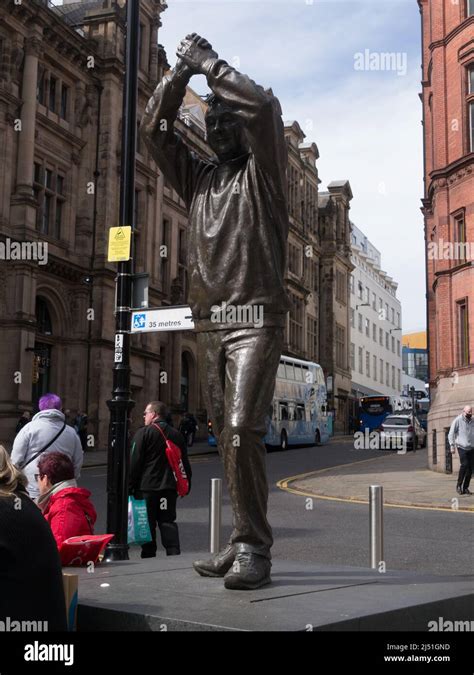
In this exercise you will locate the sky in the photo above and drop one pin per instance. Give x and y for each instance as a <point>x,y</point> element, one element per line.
<point>323,61</point>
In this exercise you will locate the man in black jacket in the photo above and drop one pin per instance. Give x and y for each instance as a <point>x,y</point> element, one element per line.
<point>152,479</point>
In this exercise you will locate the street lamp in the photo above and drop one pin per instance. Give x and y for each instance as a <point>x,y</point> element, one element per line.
<point>121,403</point>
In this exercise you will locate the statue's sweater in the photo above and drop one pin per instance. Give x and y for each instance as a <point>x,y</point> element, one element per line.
<point>238,213</point>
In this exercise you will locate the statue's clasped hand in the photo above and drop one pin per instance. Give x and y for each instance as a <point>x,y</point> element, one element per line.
<point>194,50</point>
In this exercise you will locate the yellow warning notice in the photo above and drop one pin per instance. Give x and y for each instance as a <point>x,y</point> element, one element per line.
<point>120,239</point>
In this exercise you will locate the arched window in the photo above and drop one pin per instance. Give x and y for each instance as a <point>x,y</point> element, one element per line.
<point>43,318</point>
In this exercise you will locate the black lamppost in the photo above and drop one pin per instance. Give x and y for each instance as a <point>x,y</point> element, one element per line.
<point>121,403</point>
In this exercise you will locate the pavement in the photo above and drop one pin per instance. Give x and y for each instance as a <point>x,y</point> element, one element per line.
<point>405,478</point>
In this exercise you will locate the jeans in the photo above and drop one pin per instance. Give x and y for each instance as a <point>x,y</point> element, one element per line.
<point>239,369</point>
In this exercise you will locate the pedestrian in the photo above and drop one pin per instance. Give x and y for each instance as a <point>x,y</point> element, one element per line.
<point>30,569</point>
<point>188,427</point>
<point>47,432</point>
<point>461,438</point>
<point>66,507</point>
<point>80,425</point>
<point>23,421</point>
<point>152,479</point>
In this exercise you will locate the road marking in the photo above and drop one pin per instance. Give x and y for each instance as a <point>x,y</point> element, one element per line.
<point>283,485</point>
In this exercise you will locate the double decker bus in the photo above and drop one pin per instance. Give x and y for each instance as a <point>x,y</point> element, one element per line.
<point>374,409</point>
<point>298,415</point>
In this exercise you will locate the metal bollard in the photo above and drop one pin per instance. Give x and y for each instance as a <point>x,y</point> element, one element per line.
<point>376,525</point>
<point>215,509</point>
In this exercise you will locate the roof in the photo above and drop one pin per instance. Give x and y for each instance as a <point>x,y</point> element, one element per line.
<point>73,13</point>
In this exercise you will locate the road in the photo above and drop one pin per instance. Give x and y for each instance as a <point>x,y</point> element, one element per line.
<point>331,532</point>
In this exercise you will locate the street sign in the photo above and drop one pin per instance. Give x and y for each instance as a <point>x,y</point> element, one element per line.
<point>162,319</point>
<point>120,239</point>
<point>119,348</point>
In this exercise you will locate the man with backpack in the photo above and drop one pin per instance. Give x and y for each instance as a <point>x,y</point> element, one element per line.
<point>152,477</point>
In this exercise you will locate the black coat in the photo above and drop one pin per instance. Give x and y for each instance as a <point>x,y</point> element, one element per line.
<point>149,468</point>
<point>31,584</point>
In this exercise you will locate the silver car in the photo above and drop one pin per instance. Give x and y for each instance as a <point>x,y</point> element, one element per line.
<point>398,432</point>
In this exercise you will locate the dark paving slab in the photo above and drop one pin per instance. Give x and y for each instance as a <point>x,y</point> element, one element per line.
<point>166,594</point>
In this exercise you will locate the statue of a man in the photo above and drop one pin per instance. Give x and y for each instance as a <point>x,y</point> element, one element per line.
<point>238,228</point>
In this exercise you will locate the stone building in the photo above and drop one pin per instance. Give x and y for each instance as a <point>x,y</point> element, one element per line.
<point>448,208</point>
<point>61,79</point>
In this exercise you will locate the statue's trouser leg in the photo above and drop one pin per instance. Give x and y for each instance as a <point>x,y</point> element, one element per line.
<point>239,369</point>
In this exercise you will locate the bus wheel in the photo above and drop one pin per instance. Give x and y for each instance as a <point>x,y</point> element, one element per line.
<point>317,439</point>
<point>283,441</point>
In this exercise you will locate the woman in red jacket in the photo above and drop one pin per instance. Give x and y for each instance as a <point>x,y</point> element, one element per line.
<point>65,506</point>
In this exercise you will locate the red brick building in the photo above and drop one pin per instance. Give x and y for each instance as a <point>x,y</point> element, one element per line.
<point>448,208</point>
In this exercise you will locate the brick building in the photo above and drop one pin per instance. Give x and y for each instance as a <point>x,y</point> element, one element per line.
<point>448,208</point>
<point>61,77</point>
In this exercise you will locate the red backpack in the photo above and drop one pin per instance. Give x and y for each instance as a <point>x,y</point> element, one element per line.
<point>173,455</point>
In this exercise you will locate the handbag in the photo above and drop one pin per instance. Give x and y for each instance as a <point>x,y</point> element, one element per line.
<point>81,550</point>
<point>32,459</point>
<point>138,527</point>
<point>175,460</point>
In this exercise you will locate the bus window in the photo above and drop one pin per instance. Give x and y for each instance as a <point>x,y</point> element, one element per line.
<point>283,411</point>
<point>300,412</point>
<point>281,370</point>
<point>298,373</point>
<point>291,412</point>
<point>289,371</point>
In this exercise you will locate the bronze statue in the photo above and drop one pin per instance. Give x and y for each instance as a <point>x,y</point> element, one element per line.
<point>238,228</point>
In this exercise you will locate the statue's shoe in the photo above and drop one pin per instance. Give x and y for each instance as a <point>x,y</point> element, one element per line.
<point>218,565</point>
<point>248,572</point>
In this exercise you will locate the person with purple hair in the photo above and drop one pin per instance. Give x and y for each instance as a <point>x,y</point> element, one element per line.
<point>47,432</point>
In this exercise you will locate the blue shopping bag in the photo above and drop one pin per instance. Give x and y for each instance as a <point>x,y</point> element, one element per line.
<point>138,527</point>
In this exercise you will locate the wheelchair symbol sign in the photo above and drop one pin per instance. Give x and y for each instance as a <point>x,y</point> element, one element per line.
<point>139,321</point>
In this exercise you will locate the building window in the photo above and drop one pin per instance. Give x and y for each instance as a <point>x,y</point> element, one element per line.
<point>41,89</point>
<point>375,368</point>
<point>360,322</point>
<point>296,323</point>
<point>367,327</point>
<point>470,8</point>
<point>53,84</point>
<point>374,301</point>
<point>165,253</point>
<point>360,289</point>
<point>340,346</point>
<point>398,380</point>
<point>463,332</point>
<point>361,360</point>
<point>367,295</point>
<point>352,356</point>
<point>387,374</point>
<point>374,332</point>
<point>398,320</point>
<point>367,364</point>
<point>381,336</point>
<point>341,287</point>
<point>64,101</point>
<point>393,377</point>
<point>294,259</point>
<point>393,345</point>
<point>352,317</point>
<point>387,341</point>
<point>380,304</point>
<point>393,315</point>
<point>352,283</point>
<point>315,277</point>
<point>381,371</point>
<point>386,311</point>
<point>470,105</point>
<point>312,339</point>
<point>460,235</point>
<point>398,347</point>
<point>48,187</point>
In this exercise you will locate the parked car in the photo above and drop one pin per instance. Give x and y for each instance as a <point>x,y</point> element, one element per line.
<point>399,428</point>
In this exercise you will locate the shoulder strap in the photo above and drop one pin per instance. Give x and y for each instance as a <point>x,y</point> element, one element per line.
<point>45,447</point>
<point>157,426</point>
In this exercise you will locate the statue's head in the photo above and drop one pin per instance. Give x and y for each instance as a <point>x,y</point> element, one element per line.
<point>225,131</point>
